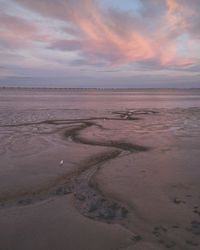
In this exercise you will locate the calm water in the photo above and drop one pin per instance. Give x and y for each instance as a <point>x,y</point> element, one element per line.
<point>39,129</point>
<point>34,105</point>
<point>178,113</point>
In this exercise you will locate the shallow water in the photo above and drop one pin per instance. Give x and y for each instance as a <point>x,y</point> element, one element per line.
<point>178,112</point>
<point>56,142</point>
<point>160,118</point>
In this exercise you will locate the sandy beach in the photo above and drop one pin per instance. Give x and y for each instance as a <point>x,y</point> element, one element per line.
<point>99,125</point>
<point>121,175</point>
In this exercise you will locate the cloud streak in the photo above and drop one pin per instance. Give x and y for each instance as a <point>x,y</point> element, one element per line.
<point>104,37</point>
<point>17,32</point>
<point>163,34</point>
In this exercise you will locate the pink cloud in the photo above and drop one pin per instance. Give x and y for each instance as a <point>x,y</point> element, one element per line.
<point>186,61</point>
<point>102,36</point>
<point>17,32</point>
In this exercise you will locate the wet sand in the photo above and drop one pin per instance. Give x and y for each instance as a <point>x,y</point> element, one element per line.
<point>126,179</point>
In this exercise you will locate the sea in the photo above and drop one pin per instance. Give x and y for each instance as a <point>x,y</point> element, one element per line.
<point>18,105</point>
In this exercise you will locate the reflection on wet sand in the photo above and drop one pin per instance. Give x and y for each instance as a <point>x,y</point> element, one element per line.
<point>88,200</point>
<point>111,179</point>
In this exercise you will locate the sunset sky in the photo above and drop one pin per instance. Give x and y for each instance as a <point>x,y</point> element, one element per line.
<point>100,43</point>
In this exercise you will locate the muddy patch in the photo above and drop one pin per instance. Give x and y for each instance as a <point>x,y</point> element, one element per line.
<point>88,200</point>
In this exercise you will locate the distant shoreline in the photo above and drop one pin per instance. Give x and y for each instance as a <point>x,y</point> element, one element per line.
<point>93,89</point>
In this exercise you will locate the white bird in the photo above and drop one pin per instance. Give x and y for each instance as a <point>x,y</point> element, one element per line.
<point>61,162</point>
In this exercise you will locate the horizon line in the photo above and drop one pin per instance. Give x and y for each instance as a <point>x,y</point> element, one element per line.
<point>96,88</point>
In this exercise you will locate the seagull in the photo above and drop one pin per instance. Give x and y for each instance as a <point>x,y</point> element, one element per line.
<point>61,162</point>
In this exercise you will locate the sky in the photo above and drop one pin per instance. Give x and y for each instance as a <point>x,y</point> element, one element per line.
<point>100,43</point>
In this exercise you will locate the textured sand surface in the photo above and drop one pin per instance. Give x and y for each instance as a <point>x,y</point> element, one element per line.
<point>82,179</point>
